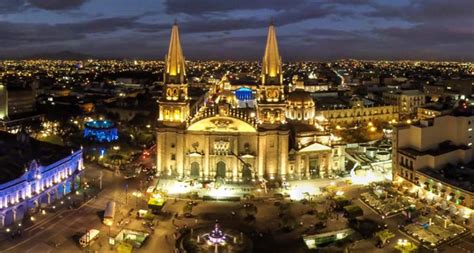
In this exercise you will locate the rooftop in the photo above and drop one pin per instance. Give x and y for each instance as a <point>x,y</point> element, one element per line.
<point>407,92</point>
<point>437,106</point>
<point>461,176</point>
<point>17,151</point>
<point>242,80</point>
<point>442,148</point>
<point>299,96</point>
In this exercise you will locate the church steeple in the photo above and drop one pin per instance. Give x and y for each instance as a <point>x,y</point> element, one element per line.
<point>175,71</point>
<point>271,100</point>
<point>174,104</point>
<point>271,64</point>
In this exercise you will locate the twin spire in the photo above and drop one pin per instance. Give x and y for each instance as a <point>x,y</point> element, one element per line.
<point>175,71</point>
<point>271,63</point>
<point>175,64</point>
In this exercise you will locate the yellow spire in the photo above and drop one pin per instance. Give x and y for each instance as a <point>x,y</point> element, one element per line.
<point>175,64</point>
<point>271,64</point>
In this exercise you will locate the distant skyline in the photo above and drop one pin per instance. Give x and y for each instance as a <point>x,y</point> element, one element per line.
<point>236,30</point>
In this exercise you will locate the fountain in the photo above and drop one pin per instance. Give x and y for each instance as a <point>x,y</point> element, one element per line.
<point>216,236</point>
<point>217,240</point>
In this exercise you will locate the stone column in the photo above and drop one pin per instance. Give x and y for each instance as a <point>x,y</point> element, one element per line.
<point>2,220</point>
<point>201,168</point>
<point>283,164</point>
<point>261,156</point>
<point>321,166</point>
<point>236,165</point>
<point>186,166</point>
<point>330,163</point>
<point>56,193</point>
<point>14,214</point>
<point>159,152</point>
<point>206,157</point>
<point>306,165</point>
<point>235,170</point>
<point>298,166</point>
<point>180,154</point>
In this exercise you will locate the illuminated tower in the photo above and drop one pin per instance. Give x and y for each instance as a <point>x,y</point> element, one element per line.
<point>3,102</point>
<point>271,99</point>
<point>174,104</point>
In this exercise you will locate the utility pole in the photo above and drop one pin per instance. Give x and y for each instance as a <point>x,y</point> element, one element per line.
<point>126,193</point>
<point>100,180</point>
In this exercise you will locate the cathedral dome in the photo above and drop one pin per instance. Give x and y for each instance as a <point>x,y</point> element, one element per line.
<point>300,96</point>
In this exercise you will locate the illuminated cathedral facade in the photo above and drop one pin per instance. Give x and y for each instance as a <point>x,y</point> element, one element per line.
<point>240,133</point>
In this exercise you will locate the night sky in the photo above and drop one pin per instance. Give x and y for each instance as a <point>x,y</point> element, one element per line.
<point>236,29</point>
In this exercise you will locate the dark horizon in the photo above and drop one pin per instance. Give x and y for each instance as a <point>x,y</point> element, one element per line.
<point>323,30</point>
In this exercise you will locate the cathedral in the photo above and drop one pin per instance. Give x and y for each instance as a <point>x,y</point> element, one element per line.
<point>241,133</point>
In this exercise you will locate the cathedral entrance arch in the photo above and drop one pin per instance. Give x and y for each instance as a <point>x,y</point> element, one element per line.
<point>194,169</point>
<point>20,212</point>
<point>221,170</point>
<point>246,174</point>
<point>313,168</point>
<point>9,218</point>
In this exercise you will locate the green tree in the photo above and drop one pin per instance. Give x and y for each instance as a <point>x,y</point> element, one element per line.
<point>384,235</point>
<point>124,247</point>
<point>288,222</point>
<point>284,208</point>
<point>249,210</point>
<point>406,247</point>
<point>187,209</point>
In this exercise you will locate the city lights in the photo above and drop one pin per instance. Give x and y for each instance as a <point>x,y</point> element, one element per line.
<point>228,130</point>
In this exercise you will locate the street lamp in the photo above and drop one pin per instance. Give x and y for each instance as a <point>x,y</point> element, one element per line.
<point>137,195</point>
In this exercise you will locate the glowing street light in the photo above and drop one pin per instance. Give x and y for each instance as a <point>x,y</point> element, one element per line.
<point>137,195</point>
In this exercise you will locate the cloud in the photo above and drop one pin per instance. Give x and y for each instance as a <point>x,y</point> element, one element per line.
<point>200,7</point>
<point>428,35</point>
<point>56,4</point>
<point>205,24</point>
<point>12,6</point>
<point>425,10</point>
<point>17,6</point>
<point>218,29</point>
<point>14,34</point>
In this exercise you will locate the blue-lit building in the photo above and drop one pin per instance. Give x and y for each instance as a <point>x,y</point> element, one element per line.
<point>244,93</point>
<point>34,174</point>
<point>101,131</point>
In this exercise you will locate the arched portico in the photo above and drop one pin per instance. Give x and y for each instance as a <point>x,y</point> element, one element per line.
<point>195,170</point>
<point>221,170</point>
<point>222,124</point>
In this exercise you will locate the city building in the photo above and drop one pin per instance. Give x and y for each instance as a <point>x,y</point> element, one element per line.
<point>34,174</point>
<point>238,130</point>
<point>407,101</point>
<point>301,106</point>
<point>461,86</point>
<point>357,112</point>
<point>309,85</point>
<point>434,159</point>
<point>432,110</point>
<point>17,106</point>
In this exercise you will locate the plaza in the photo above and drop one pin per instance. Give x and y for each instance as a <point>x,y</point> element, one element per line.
<point>432,231</point>
<point>386,202</point>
